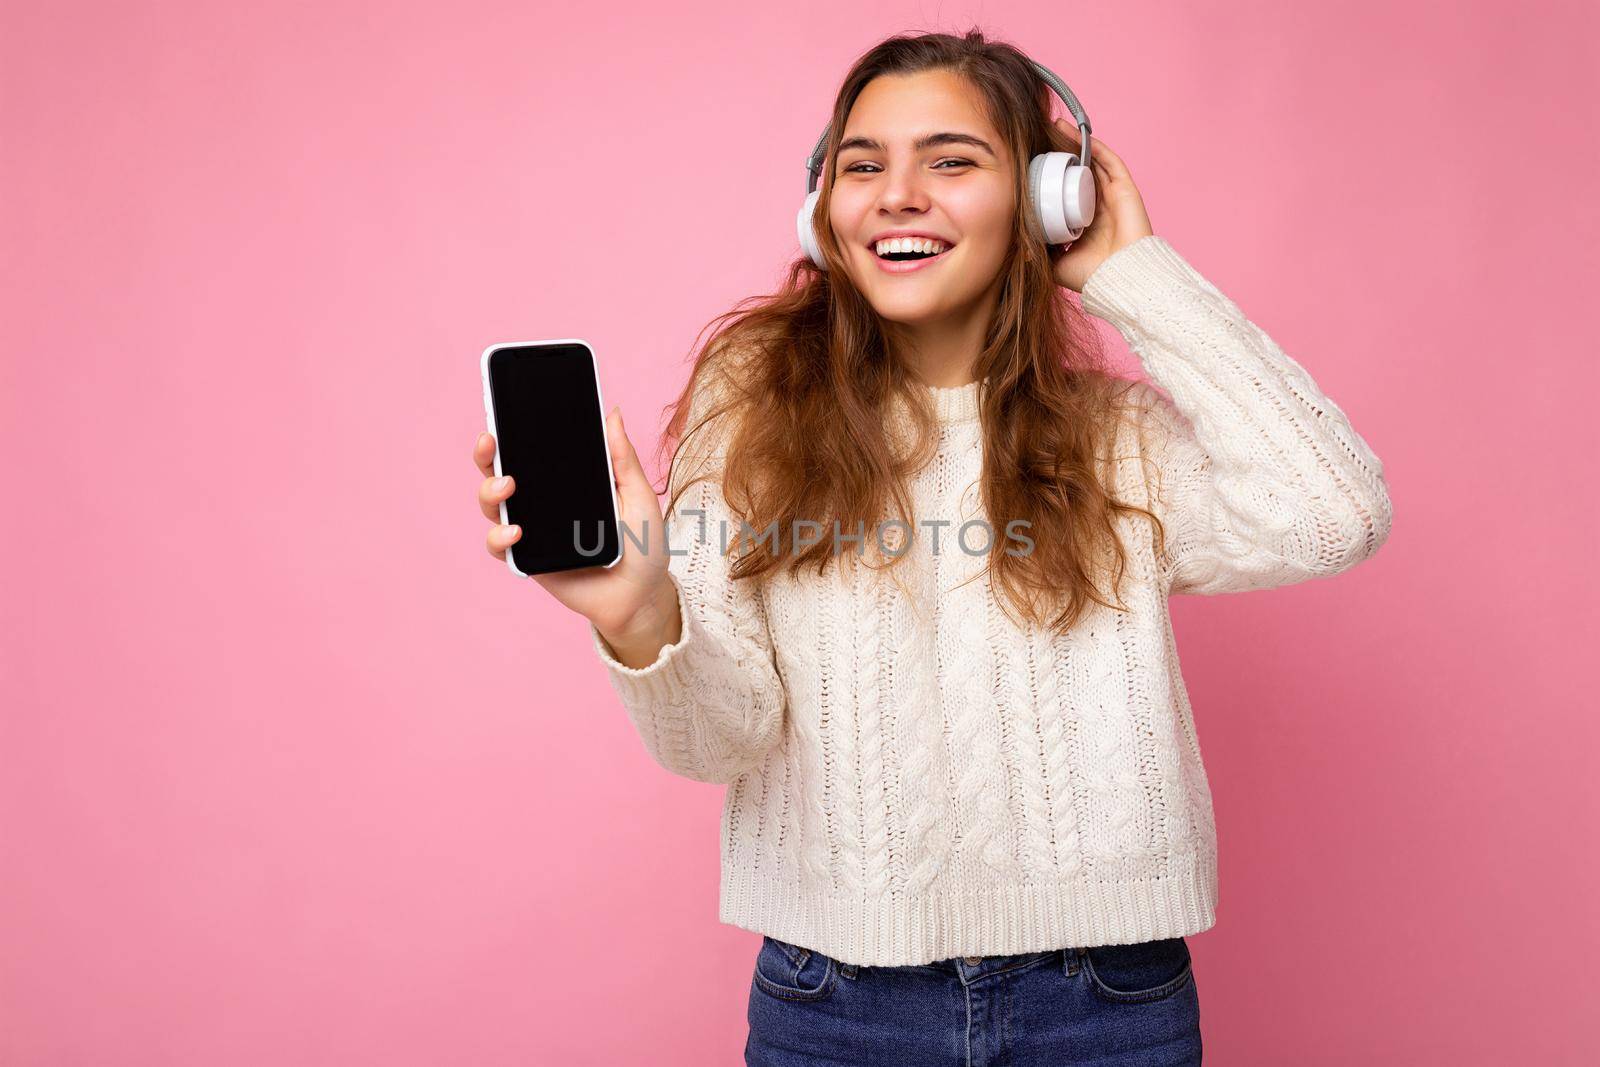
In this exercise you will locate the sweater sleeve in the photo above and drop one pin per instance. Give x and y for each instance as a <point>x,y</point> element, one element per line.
<point>1262,481</point>
<point>712,704</point>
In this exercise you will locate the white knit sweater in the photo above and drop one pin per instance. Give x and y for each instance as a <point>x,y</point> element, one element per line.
<point>910,775</point>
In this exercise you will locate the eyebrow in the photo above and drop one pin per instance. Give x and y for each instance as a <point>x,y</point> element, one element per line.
<point>927,141</point>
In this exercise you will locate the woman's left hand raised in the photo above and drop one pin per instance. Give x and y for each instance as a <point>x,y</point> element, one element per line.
<point>1119,215</point>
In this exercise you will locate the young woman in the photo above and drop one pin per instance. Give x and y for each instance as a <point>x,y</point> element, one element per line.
<point>915,610</point>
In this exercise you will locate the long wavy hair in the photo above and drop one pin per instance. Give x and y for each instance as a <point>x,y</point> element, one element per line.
<point>805,391</point>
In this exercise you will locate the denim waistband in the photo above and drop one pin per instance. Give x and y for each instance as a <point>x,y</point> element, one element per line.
<point>973,968</point>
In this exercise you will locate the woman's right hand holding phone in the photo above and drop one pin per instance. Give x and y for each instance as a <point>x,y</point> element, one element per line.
<point>634,604</point>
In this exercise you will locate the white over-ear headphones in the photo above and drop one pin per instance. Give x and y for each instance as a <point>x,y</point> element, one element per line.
<point>1060,185</point>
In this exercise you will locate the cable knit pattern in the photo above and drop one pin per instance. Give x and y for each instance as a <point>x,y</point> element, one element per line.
<point>911,776</point>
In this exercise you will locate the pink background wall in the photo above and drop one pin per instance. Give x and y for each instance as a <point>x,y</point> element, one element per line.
<point>293,772</point>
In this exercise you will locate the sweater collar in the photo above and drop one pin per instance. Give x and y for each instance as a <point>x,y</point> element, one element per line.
<point>954,404</point>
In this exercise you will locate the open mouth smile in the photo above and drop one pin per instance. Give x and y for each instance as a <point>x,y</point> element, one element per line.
<point>906,262</point>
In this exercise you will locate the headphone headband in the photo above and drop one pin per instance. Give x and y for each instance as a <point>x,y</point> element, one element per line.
<point>814,160</point>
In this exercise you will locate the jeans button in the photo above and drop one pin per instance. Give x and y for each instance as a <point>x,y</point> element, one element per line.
<point>973,961</point>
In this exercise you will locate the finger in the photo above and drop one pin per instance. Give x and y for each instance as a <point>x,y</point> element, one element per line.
<point>634,490</point>
<point>501,538</point>
<point>491,491</point>
<point>1070,128</point>
<point>1098,149</point>
<point>624,460</point>
<point>483,454</point>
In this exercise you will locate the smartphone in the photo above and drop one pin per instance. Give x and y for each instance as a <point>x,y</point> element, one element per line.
<point>542,402</point>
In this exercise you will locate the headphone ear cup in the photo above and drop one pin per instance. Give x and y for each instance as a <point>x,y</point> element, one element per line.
<point>1080,199</point>
<point>1061,191</point>
<point>806,230</point>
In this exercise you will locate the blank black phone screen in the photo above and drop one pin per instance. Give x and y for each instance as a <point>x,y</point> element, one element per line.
<point>551,435</point>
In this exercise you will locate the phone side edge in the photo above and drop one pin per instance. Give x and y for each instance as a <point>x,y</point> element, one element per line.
<point>488,411</point>
<point>611,474</point>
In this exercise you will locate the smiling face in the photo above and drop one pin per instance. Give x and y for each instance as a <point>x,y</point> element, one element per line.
<point>919,155</point>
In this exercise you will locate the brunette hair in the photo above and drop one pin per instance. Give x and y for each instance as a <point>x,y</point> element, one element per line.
<point>796,391</point>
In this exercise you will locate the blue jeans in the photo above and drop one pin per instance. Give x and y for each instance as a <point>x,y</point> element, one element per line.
<point>1110,1005</point>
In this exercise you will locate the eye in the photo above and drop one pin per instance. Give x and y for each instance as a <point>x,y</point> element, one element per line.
<point>852,168</point>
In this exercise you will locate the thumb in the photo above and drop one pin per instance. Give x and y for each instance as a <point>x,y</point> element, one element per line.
<point>624,460</point>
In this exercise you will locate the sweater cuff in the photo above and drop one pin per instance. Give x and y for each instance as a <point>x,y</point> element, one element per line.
<point>665,677</point>
<point>1134,278</point>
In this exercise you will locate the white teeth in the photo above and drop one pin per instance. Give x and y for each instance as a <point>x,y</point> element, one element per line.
<point>910,244</point>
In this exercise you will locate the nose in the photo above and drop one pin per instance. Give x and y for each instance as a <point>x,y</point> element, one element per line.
<point>903,191</point>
